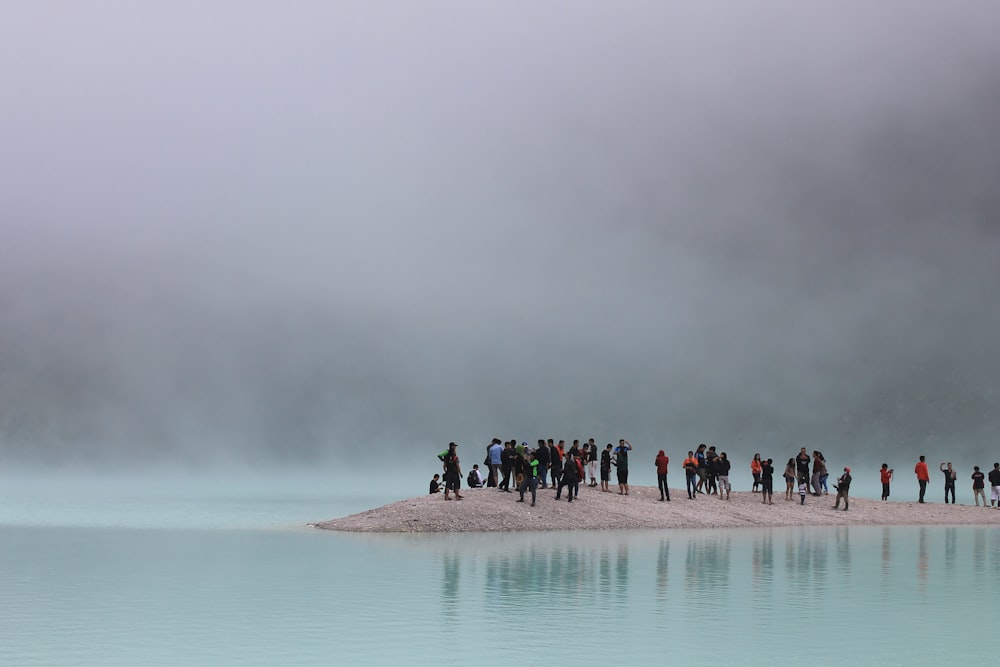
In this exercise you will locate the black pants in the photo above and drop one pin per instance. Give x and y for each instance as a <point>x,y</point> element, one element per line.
<point>528,483</point>
<point>923,488</point>
<point>692,484</point>
<point>949,488</point>
<point>661,480</point>
<point>885,491</point>
<point>505,484</point>
<point>572,483</point>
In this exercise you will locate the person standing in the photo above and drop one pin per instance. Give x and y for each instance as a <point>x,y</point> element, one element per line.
<point>621,462</point>
<point>843,487</point>
<point>978,484</point>
<point>662,461</point>
<point>691,475</point>
<point>755,464</point>
<point>802,467</point>
<point>923,476</point>
<point>711,472</point>
<point>555,465</point>
<point>886,474</point>
<point>722,466</point>
<point>530,480</point>
<point>950,475</point>
<point>819,471</point>
<point>592,462</point>
<point>606,469</point>
<point>581,470</point>
<point>507,459</point>
<point>995,486</point>
<point>452,472</point>
<point>767,482</point>
<point>789,476</point>
<point>495,450</point>
<point>699,455</point>
<point>570,478</point>
<point>542,454</point>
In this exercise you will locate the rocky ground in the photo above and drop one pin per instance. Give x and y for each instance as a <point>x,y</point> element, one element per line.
<point>489,510</point>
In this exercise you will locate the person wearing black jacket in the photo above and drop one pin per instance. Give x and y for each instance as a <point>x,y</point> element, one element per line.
<point>591,462</point>
<point>802,462</point>
<point>949,481</point>
<point>542,455</point>
<point>843,487</point>
<point>722,466</point>
<point>995,485</point>
<point>767,482</point>
<point>606,469</point>
<point>507,458</point>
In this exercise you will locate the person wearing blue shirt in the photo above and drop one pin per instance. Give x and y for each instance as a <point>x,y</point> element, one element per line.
<point>494,451</point>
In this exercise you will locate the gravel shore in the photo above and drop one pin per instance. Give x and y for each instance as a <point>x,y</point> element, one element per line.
<point>488,510</point>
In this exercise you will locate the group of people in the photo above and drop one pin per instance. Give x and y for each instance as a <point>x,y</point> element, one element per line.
<point>979,478</point>
<point>547,464</point>
<point>706,471</point>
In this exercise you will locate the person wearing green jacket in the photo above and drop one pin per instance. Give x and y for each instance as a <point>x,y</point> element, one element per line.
<point>530,480</point>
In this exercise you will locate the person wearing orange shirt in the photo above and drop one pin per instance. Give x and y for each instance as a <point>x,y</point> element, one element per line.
<point>661,462</point>
<point>923,476</point>
<point>755,465</point>
<point>691,475</point>
<point>886,474</point>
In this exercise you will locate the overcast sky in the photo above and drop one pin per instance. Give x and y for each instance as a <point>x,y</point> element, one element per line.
<point>274,232</point>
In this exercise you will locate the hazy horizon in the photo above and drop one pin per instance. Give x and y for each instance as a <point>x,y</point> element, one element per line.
<point>304,234</point>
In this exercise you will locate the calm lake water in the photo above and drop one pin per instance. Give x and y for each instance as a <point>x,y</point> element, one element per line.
<point>197,573</point>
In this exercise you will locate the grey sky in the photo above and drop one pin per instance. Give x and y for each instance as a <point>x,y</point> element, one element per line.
<point>272,231</point>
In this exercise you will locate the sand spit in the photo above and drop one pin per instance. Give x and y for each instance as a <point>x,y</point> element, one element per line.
<point>489,510</point>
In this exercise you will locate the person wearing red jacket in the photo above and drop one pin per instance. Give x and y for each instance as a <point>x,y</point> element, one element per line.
<point>885,475</point>
<point>661,462</point>
<point>923,476</point>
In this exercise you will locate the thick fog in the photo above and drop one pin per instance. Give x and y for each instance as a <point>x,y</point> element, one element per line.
<point>296,233</point>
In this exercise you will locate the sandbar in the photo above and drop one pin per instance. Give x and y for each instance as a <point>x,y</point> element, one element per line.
<point>489,510</point>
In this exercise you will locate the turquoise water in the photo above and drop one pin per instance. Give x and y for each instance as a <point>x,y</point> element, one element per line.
<point>241,582</point>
